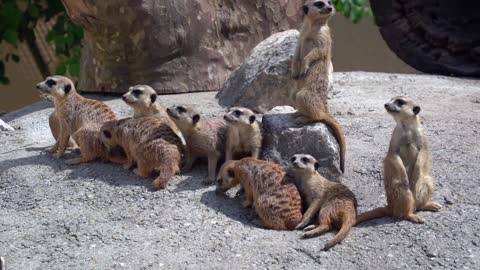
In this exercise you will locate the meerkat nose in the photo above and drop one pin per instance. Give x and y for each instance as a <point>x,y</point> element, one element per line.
<point>168,110</point>
<point>38,86</point>
<point>124,98</point>
<point>329,9</point>
<point>386,105</point>
<point>225,117</point>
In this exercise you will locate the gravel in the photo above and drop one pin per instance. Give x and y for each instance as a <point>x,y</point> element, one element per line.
<point>100,216</point>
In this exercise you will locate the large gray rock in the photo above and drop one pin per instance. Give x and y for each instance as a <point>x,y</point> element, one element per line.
<point>283,138</point>
<point>263,81</point>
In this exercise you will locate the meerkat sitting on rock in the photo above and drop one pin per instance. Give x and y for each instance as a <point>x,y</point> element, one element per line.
<point>143,100</point>
<point>149,142</point>
<point>244,133</point>
<point>333,203</point>
<point>205,137</point>
<point>79,118</point>
<point>276,201</point>
<point>406,168</point>
<point>311,67</point>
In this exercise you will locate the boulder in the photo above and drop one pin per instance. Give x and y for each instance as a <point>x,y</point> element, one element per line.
<point>282,138</point>
<point>264,80</point>
<point>172,45</point>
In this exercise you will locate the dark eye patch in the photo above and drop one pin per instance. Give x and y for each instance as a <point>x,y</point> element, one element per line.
<point>51,82</point>
<point>305,160</point>
<point>293,159</point>
<point>330,3</point>
<point>319,4</point>
<point>136,92</point>
<point>400,102</point>
<point>237,112</point>
<point>181,109</point>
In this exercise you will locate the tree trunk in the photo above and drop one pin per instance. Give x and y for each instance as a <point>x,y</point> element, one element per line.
<point>433,36</point>
<point>173,45</point>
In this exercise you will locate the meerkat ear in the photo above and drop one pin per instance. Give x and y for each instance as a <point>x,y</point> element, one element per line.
<point>316,165</point>
<point>416,110</point>
<point>196,118</point>
<point>231,173</point>
<point>67,88</point>
<point>305,9</point>
<point>107,134</point>
<point>153,98</point>
<point>252,119</point>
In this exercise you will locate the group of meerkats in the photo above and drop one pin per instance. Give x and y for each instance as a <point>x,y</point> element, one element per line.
<point>158,140</point>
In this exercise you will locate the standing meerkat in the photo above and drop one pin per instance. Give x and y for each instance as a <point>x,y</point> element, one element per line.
<point>79,118</point>
<point>149,142</point>
<point>276,201</point>
<point>406,168</point>
<point>244,134</point>
<point>143,100</point>
<point>333,203</point>
<point>205,137</point>
<point>311,67</point>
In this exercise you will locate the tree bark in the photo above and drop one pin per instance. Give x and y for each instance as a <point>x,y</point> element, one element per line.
<point>433,36</point>
<point>173,45</point>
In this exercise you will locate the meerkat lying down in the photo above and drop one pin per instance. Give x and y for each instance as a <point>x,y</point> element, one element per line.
<point>79,118</point>
<point>406,168</point>
<point>244,133</point>
<point>148,142</point>
<point>205,137</point>
<point>276,202</point>
<point>143,100</point>
<point>333,203</point>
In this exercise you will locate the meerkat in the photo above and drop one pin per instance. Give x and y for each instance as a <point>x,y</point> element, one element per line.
<point>311,67</point>
<point>79,118</point>
<point>54,124</point>
<point>205,137</point>
<point>149,142</point>
<point>143,100</point>
<point>333,203</point>
<point>406,168</point>
<point>277,202</point>
<point>244,134</point>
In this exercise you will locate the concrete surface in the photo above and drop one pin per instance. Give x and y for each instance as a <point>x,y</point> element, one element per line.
<point>99,216</point>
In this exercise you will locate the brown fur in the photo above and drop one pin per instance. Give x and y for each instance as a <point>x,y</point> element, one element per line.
<point>334,203</point>
<point>79,118</point>
<point>311,66</point>
<point>205,137</point>
<point>406,168</point>
<point>143,100</point>
<point>54,124</point>
<point>276,202</point>
<point>244,133</point>
<point>149,142</point>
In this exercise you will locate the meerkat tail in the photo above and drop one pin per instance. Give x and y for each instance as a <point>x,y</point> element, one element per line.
<point>348,223</point>
<point>372,214</point>
<point>339,137</point>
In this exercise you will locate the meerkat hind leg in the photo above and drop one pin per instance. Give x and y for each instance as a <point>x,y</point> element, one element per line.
<point>76,161</point>
<point>431,206</point>
<point>310,227</point>
<point>317,231</point>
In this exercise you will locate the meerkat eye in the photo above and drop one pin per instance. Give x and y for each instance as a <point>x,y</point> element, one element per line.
<point>181,109</point>
<point>237,112</point>
<point>305,160</point>
<point>136,92</point>
<point>51,83</point>
<point>319,4</point>
<point>400,102</point>
<point>330,3</point>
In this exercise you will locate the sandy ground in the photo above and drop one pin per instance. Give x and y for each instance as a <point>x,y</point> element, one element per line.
<point>100,216</point>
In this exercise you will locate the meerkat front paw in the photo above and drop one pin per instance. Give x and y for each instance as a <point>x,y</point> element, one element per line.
<point>301,225</point>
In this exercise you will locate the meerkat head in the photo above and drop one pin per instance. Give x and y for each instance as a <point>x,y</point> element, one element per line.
<point>402,108</point>
<point>302,163</point>
<point>140,97</point>
<point>240,116</point>
<point>184,117</point>
<point>318,9</point>
<point>109,134</point>
<point>56,86</point>
<point>226,177</point>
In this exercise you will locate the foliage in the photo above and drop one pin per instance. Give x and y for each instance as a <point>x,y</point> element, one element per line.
<point>17,22</point>
<point>355,10</point>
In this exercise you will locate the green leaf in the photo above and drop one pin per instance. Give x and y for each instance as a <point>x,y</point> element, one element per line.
<point>74,68</point>
<point>61,69</point>
<point>11,37</point>
<point>361,2</point>
<point>33,11</point>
